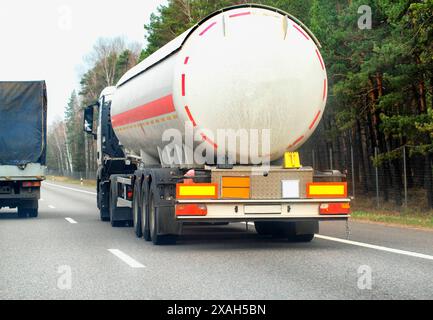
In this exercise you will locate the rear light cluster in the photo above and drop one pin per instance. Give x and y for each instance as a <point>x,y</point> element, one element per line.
<point>30,184</point>
<point>191,210</point>
<point>129,193</point>
<point>334,208</point>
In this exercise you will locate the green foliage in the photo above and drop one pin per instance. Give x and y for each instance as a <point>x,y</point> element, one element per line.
<point>74,133</point>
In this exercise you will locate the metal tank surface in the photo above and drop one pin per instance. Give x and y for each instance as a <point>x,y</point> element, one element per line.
<point>244,67</point>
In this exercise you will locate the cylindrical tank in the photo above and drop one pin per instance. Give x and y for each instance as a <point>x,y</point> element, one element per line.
<point>244,67</point>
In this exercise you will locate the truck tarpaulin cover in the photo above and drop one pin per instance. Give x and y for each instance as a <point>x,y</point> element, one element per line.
<point>23,112</point>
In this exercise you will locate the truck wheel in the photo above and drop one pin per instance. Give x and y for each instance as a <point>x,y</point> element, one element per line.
<point>22,212</point>
<point>33,213</point>
<point>144,209</point>
<point>136,211</point>
<point>294,231</point>
<point>264,228</point>
<point>153,225</point>
<point>302,238</point>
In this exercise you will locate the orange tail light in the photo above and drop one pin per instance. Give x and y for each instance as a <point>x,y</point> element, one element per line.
<point>191,210</point>
<point>334,208</point>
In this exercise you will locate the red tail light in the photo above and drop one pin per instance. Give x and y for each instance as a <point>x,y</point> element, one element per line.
<point>191,210</point>
<point>334,208</point>
<point>30,184</point>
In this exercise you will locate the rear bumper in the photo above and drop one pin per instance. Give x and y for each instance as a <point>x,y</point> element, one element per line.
<point>265,210</point>
<point>24,197</point>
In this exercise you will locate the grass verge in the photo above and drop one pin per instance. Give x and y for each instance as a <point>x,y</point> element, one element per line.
<point>396,218</point>
<point>87,183</point>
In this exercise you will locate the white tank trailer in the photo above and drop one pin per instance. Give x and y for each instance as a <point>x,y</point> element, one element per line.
<point>243,68</point>
<point>247,67</point>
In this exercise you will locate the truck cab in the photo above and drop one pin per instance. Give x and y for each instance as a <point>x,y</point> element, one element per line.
<point>110,155</point>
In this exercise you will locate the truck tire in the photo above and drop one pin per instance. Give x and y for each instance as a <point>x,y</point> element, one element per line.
<point>144,207</point>
<point>157,239</point>
<point>136,210</point>
<point>22,212</point>
<point>33,213</point>
<point>293,231</point>
<point>264,228</point>
<point>302,238</point>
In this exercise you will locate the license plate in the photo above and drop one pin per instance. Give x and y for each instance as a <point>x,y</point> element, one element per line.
<point>262,209</point>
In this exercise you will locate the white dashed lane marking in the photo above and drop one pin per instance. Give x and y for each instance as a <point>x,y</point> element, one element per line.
<point>125,258</point>
<point>70,220</point>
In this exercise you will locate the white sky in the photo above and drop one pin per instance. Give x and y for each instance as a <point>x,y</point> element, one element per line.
<point>49,39</point>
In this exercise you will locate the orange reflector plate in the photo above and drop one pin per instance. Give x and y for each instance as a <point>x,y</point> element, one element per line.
<point>236,182</point>
<point>197,191</point>
<point>236,193</point>
<point>235,187</point>
<point>327,190</point>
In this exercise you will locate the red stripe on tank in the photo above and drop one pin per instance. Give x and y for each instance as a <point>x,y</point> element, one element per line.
<point>240,14</point>
<point>207,29</point>
<point>320,59</point>
<point>324,89</point>
<point>205,138</point>
<point>315,119</point>
<point>183,85</point>
<point>188,112</point>
<point>296,142</point>
<point>149,110</point>
<point>302,32</point>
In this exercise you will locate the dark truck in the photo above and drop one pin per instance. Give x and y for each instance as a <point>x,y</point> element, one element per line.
<point>23,128</point>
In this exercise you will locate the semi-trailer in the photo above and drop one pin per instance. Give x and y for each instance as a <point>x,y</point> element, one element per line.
<point>206,130</point>
<point>23,117</point>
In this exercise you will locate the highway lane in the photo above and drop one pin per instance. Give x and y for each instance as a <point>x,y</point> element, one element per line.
<point>220,262</point>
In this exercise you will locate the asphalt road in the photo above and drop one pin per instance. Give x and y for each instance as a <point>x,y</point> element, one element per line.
<point>67,253</point>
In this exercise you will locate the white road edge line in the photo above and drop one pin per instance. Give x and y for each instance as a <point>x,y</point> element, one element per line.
<point>372,246</point>
<point>51,206</point>
<point>125,258</point>
<point>70,220</point>
<point>67,188</point>
<point>375,247</point>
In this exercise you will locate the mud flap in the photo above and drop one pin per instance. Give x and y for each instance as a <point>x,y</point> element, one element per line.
<point>306,227</point>
<point>167,223</point>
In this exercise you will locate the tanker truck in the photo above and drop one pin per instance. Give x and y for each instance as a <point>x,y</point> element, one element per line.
<point>206,130</point>
<point>23,127</point>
